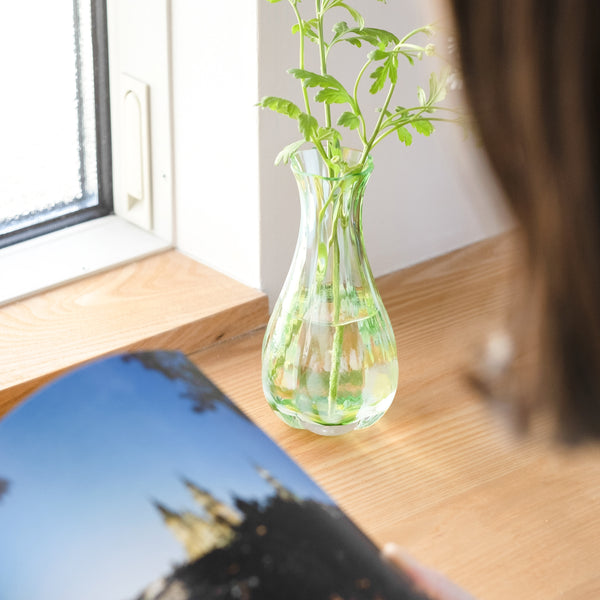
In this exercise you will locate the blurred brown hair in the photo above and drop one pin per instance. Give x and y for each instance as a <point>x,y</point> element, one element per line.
<point>532,75</point>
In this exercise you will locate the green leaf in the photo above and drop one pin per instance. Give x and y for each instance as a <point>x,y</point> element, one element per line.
<point>355,14</point>
<point>350,120</point>
<point>377,37</point>
<point>437,87</point>
<point>307,125</point>
<point>404,135</point>
<point>422,96</point>
<point>280,105</point>
<point>380,38</point>
<point>378,54</point>
<point>328,134</point>
<point>333,96</point>
<point>423,126</point>
<point>285,155</point>
<point>388,70</point>
<point>380,76</point>
<point>309,29</point>
<point>353,40</point>
<point>332,92</point>
<point>311,79</point>
<point>340,28</point>
<point>339,31</point>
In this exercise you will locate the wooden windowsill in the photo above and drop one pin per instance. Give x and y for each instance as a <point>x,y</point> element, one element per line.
<point>166,301</point>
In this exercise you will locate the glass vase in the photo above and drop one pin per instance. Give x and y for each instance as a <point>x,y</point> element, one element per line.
<point>329,360</point>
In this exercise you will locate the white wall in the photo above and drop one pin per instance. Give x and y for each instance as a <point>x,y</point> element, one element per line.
<point>215,88</point>
<point>238,212</point>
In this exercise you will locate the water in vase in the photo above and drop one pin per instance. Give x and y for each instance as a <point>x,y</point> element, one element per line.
<point>331,376</point>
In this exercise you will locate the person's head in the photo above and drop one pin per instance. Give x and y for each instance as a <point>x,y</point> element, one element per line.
<point>532,74</point>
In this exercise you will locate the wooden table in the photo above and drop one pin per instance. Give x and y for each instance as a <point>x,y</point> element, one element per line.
<point>508,519</point>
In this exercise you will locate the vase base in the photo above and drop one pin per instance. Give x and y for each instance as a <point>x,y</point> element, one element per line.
<point>296,421</point>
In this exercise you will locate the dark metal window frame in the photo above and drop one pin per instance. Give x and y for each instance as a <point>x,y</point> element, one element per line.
<point>103,136</point>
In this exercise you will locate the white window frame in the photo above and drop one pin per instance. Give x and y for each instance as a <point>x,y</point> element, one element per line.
<point>139,46</point>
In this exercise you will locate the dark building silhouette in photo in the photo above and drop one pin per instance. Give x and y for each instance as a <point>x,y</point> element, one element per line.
<point>282,548</point>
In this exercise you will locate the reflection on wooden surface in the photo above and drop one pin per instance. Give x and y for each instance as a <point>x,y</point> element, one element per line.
<point>505,518</point>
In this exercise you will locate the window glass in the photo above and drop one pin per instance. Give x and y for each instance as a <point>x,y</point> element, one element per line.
<point>48,122</point>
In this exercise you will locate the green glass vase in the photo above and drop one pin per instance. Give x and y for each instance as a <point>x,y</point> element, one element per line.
<point>329,360</point>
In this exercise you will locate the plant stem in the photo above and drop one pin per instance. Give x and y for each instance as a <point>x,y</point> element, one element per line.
<point>363,132</point>
<point>301,58</point>
<point>386,133</point>
<point>322,56</point>
<point>384,108</point>
<point>425,29</point>
<point>421,109</point>
<point>338,336</point>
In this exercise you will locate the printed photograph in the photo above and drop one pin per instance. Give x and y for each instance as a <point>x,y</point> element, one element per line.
<point>135,478</point>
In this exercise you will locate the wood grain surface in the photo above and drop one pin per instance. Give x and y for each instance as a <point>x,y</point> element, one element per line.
<point>506,518</point>
<point>166,301</point>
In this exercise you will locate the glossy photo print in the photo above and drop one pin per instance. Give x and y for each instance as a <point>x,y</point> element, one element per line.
<point>135,478</point>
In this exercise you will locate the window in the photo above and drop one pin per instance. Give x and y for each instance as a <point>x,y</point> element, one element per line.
<point>55,122</point>
<point>75,34</point>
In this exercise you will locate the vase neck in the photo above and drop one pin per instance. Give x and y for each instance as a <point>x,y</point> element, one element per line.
<point>330,201</point>
<point>330,248</point>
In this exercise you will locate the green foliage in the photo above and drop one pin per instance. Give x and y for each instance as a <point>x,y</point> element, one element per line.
<point>308,28</point>
<point>381,63</point>
<point>387,71</point>
<point>307,125</point>
<point>311,79</point>
<point>280,105</point>
<point>353,13</point>
<point>287,153</point>
<point>423,126</point>
<point>404,135</point>
<point>349,120</point>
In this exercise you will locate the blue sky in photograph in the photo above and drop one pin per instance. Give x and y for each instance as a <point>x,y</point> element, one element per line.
<point>86,458</point>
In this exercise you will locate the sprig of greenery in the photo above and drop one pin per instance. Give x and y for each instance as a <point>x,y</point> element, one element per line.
<point>382,64</point>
